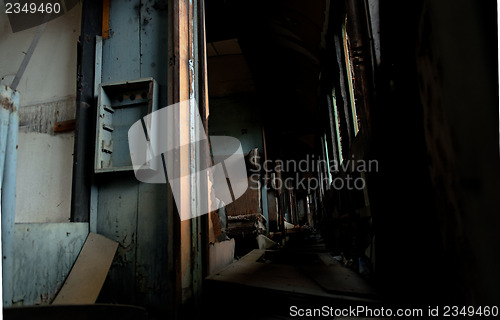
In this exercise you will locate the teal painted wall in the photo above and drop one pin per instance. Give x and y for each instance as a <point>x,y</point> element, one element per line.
<point>130,212</point>
<point>44,255</point>
<point>238,116</point>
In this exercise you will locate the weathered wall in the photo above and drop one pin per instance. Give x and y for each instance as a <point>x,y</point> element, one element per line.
<point>43,252</point>
<point>47,95</point>
<point>44,255</point>
<point>133,213</point>
<point>51,73</point>
<point>238,116</point>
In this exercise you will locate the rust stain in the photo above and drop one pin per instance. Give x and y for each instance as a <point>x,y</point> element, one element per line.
<point>6,103</point>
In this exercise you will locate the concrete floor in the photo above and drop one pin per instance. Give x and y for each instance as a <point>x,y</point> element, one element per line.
<point>269,284</point>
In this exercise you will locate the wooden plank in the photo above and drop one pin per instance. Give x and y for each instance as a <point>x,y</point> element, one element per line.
<point>173,223</point>
<point>89,272</point>
<point>215,227</point>
<point>105,19</point>
<point>65,126</point>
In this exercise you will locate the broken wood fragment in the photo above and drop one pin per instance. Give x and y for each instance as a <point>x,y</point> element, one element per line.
<point>65,126</point>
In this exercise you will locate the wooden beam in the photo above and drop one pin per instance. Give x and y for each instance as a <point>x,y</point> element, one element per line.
<point>187,76</point>
<point>105,19</point>
<point>173,222</point>
<point>65,126</point>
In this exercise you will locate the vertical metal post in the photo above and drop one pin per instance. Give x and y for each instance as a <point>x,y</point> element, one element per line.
<point>94,192</point>
<point>85,112</point>
<point>9,121</point>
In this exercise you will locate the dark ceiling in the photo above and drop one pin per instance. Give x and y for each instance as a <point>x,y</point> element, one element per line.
<point>281,42</point>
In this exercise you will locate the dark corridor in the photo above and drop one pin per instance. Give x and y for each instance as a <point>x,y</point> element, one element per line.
<point>358,81</point>
<point>369,130</point>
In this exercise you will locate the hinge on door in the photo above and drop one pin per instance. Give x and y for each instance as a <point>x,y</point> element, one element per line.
<point>171,60</point>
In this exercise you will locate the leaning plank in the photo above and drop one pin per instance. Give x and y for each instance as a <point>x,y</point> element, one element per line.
<point>84,282</point>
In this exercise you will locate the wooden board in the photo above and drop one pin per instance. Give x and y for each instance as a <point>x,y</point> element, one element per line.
<point>89,271</point>
<point>65,126</point>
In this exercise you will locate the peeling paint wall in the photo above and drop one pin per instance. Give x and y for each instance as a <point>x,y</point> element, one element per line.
<point>130,212</point>
<point>47,95</point>
<point>50,203</point>
<point>45,253</point>
<point>45,162</point>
